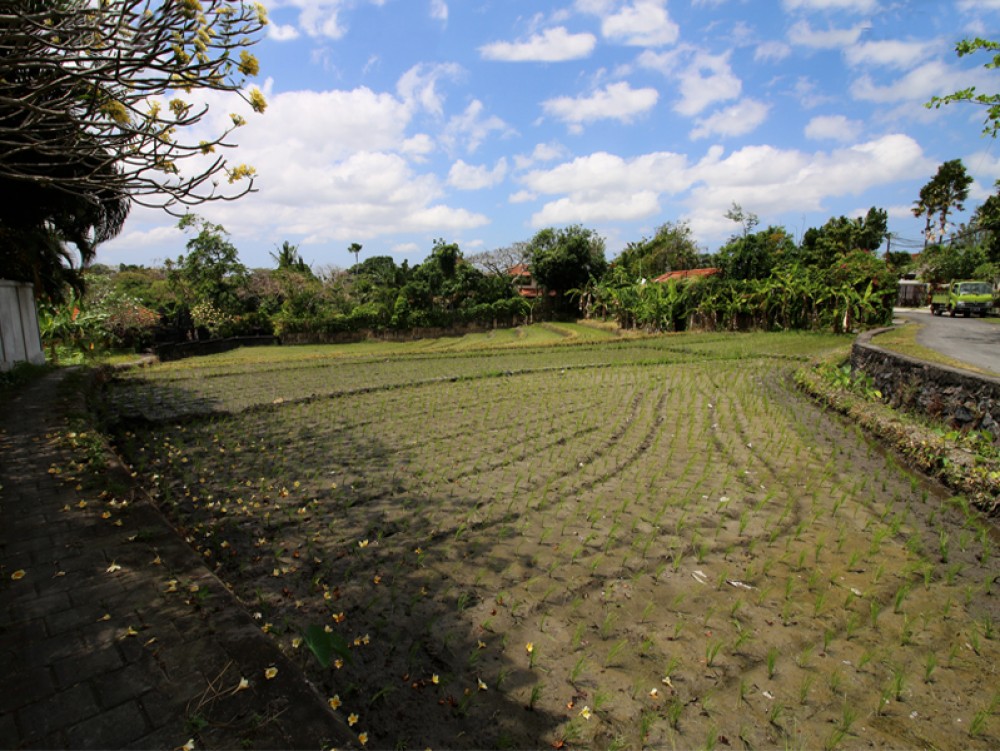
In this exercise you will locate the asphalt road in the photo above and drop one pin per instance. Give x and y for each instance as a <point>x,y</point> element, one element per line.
<point>972,340</point>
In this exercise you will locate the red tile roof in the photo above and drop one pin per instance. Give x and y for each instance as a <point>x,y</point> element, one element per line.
<point>520,269</point>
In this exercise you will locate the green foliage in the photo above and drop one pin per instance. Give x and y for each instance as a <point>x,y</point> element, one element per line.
<point>670,249</point>
<point>991,102</point>
<point>210,275</point>
<point>325,644</point>
<point>754,256</point>
<point>943,263</point>
<point>565,259</point>
<point>821,247</point>
<point>947,190</point>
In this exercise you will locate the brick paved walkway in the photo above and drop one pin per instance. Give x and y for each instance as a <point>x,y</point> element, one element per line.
<point>104,640</point>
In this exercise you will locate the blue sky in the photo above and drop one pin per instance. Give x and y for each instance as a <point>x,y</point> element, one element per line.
<point>394,122</point>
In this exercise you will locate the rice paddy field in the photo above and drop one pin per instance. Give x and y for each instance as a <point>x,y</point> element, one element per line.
<point>558,537</point>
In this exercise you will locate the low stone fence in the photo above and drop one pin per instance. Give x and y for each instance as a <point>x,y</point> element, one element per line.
<point>180,350</point>
<point>965,400</point>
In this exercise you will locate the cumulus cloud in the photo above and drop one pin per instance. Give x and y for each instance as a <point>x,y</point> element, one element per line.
<point>552,45</point>
<point>921,83</point>
<point>858,6</point>
<point>418,86</point>
<point>476,177</point>
<point>771,52</point>
<point>282,33</point>
<point>469,129</point>
<point>616,101</point>
<point>439,10</point>
<point>334,166</point>
<point>708,79</point>
<point>892,53</point>
<point>605,187</point>
<point>522,196</point>
<point>742,118</point>
<point>765,179</point>
<point>976,5</point>
<point>643,23</point>
<point>322,19</point>
<point>604,172</point>
<point>543,152</point>
<point>833,127</point>
<point>802,34</point>
<point>771,181</point>
<point>606,208</point>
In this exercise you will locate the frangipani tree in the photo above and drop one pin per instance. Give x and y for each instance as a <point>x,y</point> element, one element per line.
<point>95,95</point>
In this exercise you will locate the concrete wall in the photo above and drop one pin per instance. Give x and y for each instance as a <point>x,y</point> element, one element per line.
<point>965,400</point>
<point>20,340</point>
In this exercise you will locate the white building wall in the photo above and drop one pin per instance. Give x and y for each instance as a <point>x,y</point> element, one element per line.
<point>20,340</point>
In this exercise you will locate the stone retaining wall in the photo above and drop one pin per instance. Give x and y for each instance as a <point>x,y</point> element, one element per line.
<point>965,400</point>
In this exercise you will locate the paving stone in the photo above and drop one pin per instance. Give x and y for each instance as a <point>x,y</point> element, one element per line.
<point>64,709</point>
<point>18,693</point>
<point>9,737</point>
<point>82,667</point>
<point>162,709</point>
<point>47,651</point>
<point>127,683</point>
<point>113,728</point>
<point>70,680</point>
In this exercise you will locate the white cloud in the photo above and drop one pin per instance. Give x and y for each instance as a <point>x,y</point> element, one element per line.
<point>418,86</point>
<point>522,196</point>
<point>543,152</point>
<point>930,79</point>
<point>282,33</point>
<point>858,6</point>
<point>616,101</point>
<point>973,5</point>
<point>334,167</point>
<point>551,45</point>
<point>833,127</point>
<point>985,168</point>
<point>643,23</point>
<point>402,249</point>
<point>602,172</point>
<point>126,246</point>
<point>804,35</point>
<point>764,179</point>
<point>439,10</point>
<point>805,91</point>
<point>470,177</point>
<point>740,119</point>
<point>771,181</point>
<point>471,128</point>
<point>605,187</point>
<point>333,123</point>
<point>771,52</point>
<point>417,147</point>
<point>322,19</point>
<point>891,53</point>
<point>708,79</point>
<point>606,208</point>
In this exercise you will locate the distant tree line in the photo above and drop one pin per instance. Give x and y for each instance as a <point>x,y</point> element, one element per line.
<point>833,278</point>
